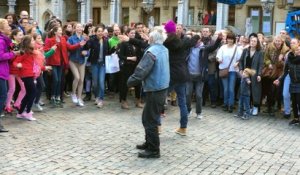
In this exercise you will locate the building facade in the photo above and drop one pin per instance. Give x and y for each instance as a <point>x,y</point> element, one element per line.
<point>187,12</point>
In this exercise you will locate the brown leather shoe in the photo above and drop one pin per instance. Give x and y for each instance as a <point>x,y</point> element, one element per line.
<point>181,131</point>
<point>124,105</point>
<point>139,104</point>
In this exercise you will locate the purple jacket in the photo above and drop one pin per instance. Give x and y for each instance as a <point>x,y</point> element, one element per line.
<point>5,56</point>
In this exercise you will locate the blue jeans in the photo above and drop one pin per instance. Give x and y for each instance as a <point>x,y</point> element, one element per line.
<point>56,81</point>
<point>198,86</point>
<point>228,86</point>
<point>286,95</point>
<point>244,104</point>
<point>98,78</point>
<point>212,85</point>
<point>3,94</point>
<point>180,90</point>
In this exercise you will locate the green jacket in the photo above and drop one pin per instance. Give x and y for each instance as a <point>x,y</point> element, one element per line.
<point>113,41</point>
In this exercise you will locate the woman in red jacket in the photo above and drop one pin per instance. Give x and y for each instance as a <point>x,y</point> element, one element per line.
<point>30,68</point>
<point>57,61</point>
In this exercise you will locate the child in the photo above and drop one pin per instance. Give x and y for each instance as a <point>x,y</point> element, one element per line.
<point>39,46</point>
<point>244,102</point>
<point>30,67</point>
<point>16,36</point>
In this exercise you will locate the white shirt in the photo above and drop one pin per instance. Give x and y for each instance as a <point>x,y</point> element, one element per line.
<point>225,54</point>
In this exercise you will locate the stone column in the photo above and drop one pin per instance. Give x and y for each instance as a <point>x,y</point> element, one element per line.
<point>32,9</point>
<point>182,12</point>
<point>83,12</point>
<point>11,6</point>
<point>115,11</point>
<point>56,9</point>
<point>222,16</point>
<point>88,10</point>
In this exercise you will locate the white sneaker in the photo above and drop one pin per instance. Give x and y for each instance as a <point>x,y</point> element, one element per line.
<point>74,98</point>
<point>80,103</point>
<point>254,111</point>
<point>96,101</point>
<point>199,116</point>
<point>190,113</point>
<point>100,104</point>
<point>37,107</point>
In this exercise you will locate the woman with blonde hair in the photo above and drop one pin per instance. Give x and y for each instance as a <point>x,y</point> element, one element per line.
<point>273,68</point>
<point>77,64</point>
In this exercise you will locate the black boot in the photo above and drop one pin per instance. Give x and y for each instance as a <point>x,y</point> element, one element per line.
<point>149,154</point>
<point>142,146</point>
<point>230,109</point>
<point>271,111</point>
<point>87,97</point>
<point>225,107</point>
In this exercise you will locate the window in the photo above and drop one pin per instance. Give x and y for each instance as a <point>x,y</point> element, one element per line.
<point>156,15</point>
<point>96,15</point>
<point>191,14</point>
<point>125,16</point>
<point>191,17</point>
<point>261,21</point>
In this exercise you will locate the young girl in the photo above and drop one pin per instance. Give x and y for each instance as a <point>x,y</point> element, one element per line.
<point>244,101</point>
<point>30,66</point>
<point>16,36</point>
<point>57,61</point>
<point>40,84</point>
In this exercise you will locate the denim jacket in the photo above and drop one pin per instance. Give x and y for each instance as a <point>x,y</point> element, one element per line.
<point>75,55</point>
<point>153,69</point>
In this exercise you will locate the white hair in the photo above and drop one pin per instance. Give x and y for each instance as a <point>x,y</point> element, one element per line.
<point>157,36</point>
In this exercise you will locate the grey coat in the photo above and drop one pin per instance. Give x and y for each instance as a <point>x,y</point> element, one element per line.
<point>257,65</point>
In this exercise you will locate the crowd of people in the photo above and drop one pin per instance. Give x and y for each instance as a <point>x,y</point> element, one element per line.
<point>218,68</point>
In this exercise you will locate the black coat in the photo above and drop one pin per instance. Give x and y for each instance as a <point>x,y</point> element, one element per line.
<point>178,52</point>
<point>257,64</point>
<point>94,46</point>
<point>127,49</point>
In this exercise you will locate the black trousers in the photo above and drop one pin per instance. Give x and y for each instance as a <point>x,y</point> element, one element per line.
<point>296,104</point>
<point>272,91</point>
<point>126,71</point>
<point>40,85</point>
<point>30,94</point>
<point>154,105</point>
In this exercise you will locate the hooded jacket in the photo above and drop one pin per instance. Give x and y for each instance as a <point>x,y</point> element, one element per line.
<point>5,56</point>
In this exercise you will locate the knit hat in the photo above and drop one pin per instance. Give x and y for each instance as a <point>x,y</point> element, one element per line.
<point>170,26</point>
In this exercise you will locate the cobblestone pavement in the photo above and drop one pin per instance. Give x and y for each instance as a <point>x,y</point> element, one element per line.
<point>88,140</point>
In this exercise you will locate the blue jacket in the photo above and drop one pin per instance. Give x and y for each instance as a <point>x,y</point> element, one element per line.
<point>153,69</point>
<point>75,55</point>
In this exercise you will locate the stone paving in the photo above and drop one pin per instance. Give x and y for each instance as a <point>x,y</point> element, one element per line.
<point>89,140</point>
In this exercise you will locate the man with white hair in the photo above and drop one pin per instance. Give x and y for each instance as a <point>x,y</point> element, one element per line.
<point>154,72</point>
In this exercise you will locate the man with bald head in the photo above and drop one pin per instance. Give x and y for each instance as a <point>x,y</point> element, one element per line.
<point>24,14</point>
